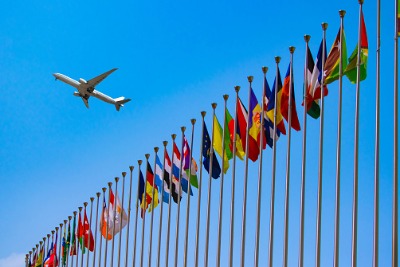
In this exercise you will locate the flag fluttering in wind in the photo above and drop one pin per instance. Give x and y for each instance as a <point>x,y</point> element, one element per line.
<point>188,175</point>
<point>161,180</point>
<point>232,131</point>
<point>268,124</point>
<point>72,251</point>
<point>254,127</point>
<point>143,197</point>
<point>176,164</point>
<point>51,259</point>
<point>150,188</point>
<point>169,178</point>
<point>271,105</point>
<point>333,59</point>
<point>285,102</point>
<point>88,240</point>
<point>217,143</point>
<point>206,144</point>
<point>351,70</point>
<point>79,233</point>
<point>39,259</point>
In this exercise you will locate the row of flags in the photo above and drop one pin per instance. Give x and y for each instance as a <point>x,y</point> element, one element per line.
<point>178,173</point>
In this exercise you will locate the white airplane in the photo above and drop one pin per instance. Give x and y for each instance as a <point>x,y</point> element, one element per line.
<point>87,89</point>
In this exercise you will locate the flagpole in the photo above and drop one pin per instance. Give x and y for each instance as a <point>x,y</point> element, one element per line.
<point>179,200</point>
<point>259,185</point>
<point>338,149</point>
<point>375,256</point>
<point>77,241</point>
<point>395,145</point>
<point>65,236</point>
<point>95,229</point>
<point>165,143</point>
<point>136,216</point>
<point>320,161</point>
<point>114,218</point>
<point>28,258</point>
<point>101,223</point>
<point>196,251</point>
<point>108,223</point>
<point>69,247</point>
<point>42,244</point>
<point>83,237</point>
<point>214,105</point>
<point>144,212</point>
<point>193,121</point>
<point>356,134</point>
<point>121,217</point>
<point>221,190</point>
<point>173,136</point>
<point>231,233</point>
<point>129,217</point>
<point>89,230</point>
<point>59,243</point>
<point>54,244</point>
<point>45,250</point>
<point>272,202</point>
<point>152,208</point>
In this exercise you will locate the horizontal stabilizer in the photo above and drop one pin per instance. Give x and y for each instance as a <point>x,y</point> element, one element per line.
<point>120,101</point>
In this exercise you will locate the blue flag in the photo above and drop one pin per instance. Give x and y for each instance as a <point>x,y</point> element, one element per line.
<point>216,169</point>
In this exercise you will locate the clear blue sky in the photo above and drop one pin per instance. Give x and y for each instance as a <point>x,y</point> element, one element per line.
<point>174,60</point>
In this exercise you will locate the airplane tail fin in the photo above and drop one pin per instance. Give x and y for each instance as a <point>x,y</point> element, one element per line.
<point>120,101</point>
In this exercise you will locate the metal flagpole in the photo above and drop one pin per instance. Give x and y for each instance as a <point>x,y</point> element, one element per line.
<point>89,230</point>
<point>73,230</point>
<point>179,200</point>
<point>395,144</point>
<point>121,217</point>
<point>53,241</point>
<point>28,258</point>
<point>338,148</point>
<point>114,216</point>
<point>42,243</point>
<point>77,240</point>
<point>320,161</point>
<point>44,249</point>
<point>108,223</point>
<point>259,185</point>
<point>356,134</point>
<point>375,253</point>
<point>169,206</point>
<point>287,189</point>
<point>193,121</point>
<point>214,105</point>
<point>244,210</point>
<point>55,244</point>
<point>272,202</point>
<point>136,216</point>
<point>152,208</point>
<point>69,247</point>
<point>64,235</point>
<point>95,230</point>
<point>59,242</point>
<point>221,190</point>
<point>101,224</point>
<point>303,166</point>
<point>144,212</point>
<point>232,215</point>
<point>165,143</point>
<point>196,250</point>
<point>129,217</point>
<point>82,229</point>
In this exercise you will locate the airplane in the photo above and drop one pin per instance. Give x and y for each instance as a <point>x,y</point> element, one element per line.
<point>87,89</point>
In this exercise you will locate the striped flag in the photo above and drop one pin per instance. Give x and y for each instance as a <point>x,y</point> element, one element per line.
<point>271,104</point>
<point>268,124</point>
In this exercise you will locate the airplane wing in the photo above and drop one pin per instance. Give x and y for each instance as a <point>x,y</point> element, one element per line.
<point>95,81</point>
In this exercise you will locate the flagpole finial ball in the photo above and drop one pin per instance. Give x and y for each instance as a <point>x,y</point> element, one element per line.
<point>307,38</point>
<point>237,88</point>
<point>225,97</point>
<point>41,242</point>
<point>98,194</point>
<point>140,162</point>
<point>147,156</point>
<point>104,189</point>
<point>214,105</point>
<point>123,174</point>
<point>156,149</point>
<point>69,217</point>
<point>131,168</point>
<point>109,184</point>
<point>183,129</point>
<point>116,179</point>
<point>61,225</point>
<point>324,26</point>
<point>277,59</point>
<point>57,228</point>
<point>193,121</point>
<point>173,136</point>
<point>48,235</point>
<point>264,70</point>
<point>80,208</point>
<point>203,114</point>
<point>91,199</point>
<point>342,13</point>
<point>361,2</point>
<point>165,143</point>
<point>250,79</point>
<point>291,49</point>
<point>65,222</point>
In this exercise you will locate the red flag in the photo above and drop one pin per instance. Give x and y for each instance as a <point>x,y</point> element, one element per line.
<point>285,102</point>
<point>87,234</point>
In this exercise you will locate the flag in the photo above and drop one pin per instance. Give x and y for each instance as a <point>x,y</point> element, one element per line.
<point>39,260</point>
<point>254,127</point>
<point>159,180</point>
<point>268,124</point>
<point>351,70</point>
<point>144,198</point>
<point>188,175</point>
<point>51,259</point>
<point>271,105</point>
<point>217,143</point>
<point>88,240</point>
<point>150,188</point>
<point>229,131</point>
<point>79,233</point>
<point>313,93</point>
<point>312,106</point>
<point>176,165</point>
<point>285,102</point>
<point>206,145</point>
<point>64,247</point>
<point>115,227</point>
<point>333,59</point>
<point>34,259</point>
<point>73,239</point>
<point>230,124</point>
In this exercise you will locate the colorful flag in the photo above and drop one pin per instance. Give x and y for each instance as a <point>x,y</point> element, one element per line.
<point>333,59</point>
<point>73,239</point>
<point>241,122</point>
<point>88,240</point>
<point>271,105</point>
<point>285,102</point>
<point>254,127</point>
<point>151,188</point>
<point>144,198</point>
<point>268,124</point>
<point>34,259</point>
<point>230,124</point>
<point>206,144</point>
<point>64,248</point>
<point>351,70</point>
<point>39,260</point>
<point>79,233</point>
<point>228,138</point>
<point>312,106</point>
<point>159,180</point>
<point>186,173</point>
<point>217,143</point>
<point>51,259</point>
